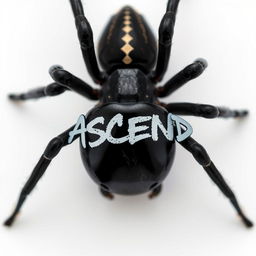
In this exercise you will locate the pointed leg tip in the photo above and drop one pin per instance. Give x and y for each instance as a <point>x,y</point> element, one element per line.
<point>245,113</point>
<point>54,68</point>
<point>242,114</point>
<point>15,97</point>
<point>155,192</point>
<point>248,223</point>
<point>203,62</point>
<point>107,194</point>
<point>8,223</point>
<point>151,196</point>
<point>12,96</point>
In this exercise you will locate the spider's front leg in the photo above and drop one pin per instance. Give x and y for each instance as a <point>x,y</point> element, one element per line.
<point>166,31</point>
<point>85,36</point>
<point>201,156</point>
<point>51,151</point>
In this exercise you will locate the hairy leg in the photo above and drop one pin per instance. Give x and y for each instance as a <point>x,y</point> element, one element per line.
<point>202,157</point>
<point>51,151</point>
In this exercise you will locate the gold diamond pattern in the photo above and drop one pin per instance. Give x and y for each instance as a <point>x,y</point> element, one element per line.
<point>127,60</point>
<point>127,17</point>
<point>127,38</point>
<point>127,29</point>
<point>127,48</point>
<point>127,22</point>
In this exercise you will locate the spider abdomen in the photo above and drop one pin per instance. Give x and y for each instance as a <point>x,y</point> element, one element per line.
<point>134,166</point>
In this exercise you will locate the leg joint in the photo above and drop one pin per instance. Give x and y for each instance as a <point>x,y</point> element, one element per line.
<point>207,111</point>
<point>200,154</point>
<point>54,89</point>
<point>60,75</point>
<point>53,148</point>
<point>166,29</point>
<point>195,69</point>
<point>84,31</point>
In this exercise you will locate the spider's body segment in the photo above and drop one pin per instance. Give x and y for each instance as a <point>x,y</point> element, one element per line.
<point>127,42</point>
<point>128,140</point>
<point>124,168</point>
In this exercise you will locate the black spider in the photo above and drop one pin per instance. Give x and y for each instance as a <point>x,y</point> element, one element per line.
<point>127,140</point>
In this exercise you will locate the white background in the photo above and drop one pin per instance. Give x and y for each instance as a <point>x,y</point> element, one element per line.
<point>66,215</point>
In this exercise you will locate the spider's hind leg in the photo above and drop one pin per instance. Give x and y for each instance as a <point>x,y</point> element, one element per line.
<point>106,193</point>
<point>155,192</point>
<point>52,150</point>
<point>202,157</point>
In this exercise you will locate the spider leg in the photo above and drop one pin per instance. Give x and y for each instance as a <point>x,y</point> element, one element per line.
<point>155,192</point>
<point>85,36</point>
<point>106,193</point>
<point>206,111</point>
<point>51,151</point>
<point>73,83</point>
<point>53,89</point>
<point>190,72</point>
<point>166,31</point>
<point>64,81</point>
<point>201,156</point>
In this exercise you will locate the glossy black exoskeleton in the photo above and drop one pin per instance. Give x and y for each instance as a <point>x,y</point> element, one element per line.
<point>133,64</point>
